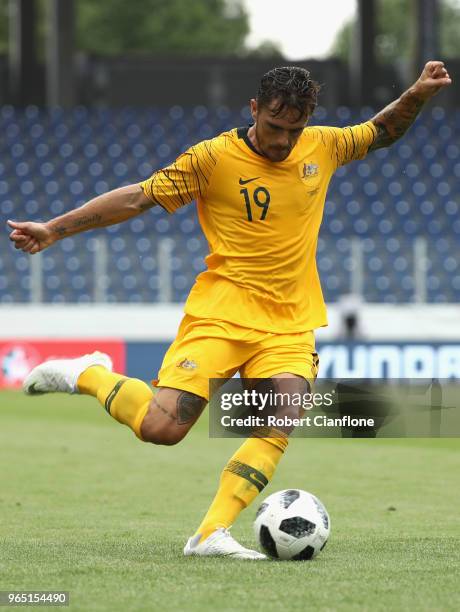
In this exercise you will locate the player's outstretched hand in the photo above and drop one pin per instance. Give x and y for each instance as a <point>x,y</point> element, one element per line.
<point>433,78</point>
<point>30,237</point>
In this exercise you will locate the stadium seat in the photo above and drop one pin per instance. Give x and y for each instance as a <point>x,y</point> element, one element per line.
<point>54,160</point>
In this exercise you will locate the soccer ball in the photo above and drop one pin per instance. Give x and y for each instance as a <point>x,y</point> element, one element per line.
<point>292,524</point>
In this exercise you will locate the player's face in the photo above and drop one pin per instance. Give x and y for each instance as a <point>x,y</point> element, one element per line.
<point>277,134</point>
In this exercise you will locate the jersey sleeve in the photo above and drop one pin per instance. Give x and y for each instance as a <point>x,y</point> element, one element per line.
<point>184,180</point>
<point>350,143</point>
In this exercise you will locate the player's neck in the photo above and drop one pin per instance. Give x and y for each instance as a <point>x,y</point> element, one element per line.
<point>253,138</point>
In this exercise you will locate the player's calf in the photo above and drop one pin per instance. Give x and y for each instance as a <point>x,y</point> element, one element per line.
<point>171,415</point>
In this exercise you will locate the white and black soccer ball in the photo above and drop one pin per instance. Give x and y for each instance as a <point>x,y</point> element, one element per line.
<point>292,524</point>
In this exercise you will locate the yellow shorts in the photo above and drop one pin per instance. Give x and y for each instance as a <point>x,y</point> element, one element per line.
<point>209,348</point>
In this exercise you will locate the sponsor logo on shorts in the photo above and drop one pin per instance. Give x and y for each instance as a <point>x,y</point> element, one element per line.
<point>187,364</point>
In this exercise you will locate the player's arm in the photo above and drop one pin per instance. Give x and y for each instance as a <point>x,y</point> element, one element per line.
<point>107,209</point>
<point>172,187</point>
<point>396,118</point>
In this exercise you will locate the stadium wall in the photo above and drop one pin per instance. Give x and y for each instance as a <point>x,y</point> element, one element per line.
<point>393,341</point>
<point>159,322</point>
<point>143,81</point>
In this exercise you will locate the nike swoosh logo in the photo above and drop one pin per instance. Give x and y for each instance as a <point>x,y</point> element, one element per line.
<point>256,477</point>
<point>245,181</point>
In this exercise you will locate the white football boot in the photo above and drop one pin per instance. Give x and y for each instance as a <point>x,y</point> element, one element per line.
<point>61,375</point>
<point>220,544</point>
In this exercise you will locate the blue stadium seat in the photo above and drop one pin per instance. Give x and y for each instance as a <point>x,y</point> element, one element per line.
<point>52,161</point>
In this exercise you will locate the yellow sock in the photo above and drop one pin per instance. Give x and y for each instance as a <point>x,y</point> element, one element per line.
<point>245,475</point>
<point>126,399</point>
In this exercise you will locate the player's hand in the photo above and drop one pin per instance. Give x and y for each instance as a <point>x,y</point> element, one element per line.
<point>31,237</point>
<point>433,78</point>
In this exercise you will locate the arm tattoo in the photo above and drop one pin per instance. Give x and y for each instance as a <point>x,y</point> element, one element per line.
<point>61,230</point>
<point>395,119</point>
<point>85,221</point>
<point>189,407</point>
<point>163,410</point>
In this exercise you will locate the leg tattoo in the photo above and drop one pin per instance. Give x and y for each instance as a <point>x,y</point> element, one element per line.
<point>189,407</point>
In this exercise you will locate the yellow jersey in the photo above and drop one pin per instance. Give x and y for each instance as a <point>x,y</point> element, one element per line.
<point>261,220</point>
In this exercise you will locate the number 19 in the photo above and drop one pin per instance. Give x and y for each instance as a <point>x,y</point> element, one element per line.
<point>261,197</point>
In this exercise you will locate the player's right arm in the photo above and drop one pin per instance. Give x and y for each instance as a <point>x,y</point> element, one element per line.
<point>107,209</point>
<point>186,179</point>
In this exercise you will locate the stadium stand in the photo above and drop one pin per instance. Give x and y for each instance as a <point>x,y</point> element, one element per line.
<point>51,161</point>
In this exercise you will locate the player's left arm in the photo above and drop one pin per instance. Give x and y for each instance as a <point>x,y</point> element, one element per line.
<point>395,119</point>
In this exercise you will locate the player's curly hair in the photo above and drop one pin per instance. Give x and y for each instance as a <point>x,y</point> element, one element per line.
<point>291,87</point>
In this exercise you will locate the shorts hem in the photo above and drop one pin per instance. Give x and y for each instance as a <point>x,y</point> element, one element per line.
<point>190,387</point>
<point>295,371</point>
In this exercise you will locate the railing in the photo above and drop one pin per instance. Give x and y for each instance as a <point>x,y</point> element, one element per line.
<point>356,279</point>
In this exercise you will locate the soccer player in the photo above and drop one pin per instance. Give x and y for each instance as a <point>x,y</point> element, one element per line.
<point>260,193</point>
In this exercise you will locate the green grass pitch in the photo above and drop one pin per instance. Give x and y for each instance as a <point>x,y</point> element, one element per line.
<point>85,507</point>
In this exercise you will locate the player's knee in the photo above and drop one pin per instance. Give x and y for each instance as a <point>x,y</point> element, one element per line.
<point>169,437</point>
<point>170,417</point>
<point>290,391</point>
<point>164,436</point>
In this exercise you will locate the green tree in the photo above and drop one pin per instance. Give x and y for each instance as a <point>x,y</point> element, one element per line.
<point>197,27</point>
<point>169,27</point>
<point>267,48</point>
<point>394,24</point>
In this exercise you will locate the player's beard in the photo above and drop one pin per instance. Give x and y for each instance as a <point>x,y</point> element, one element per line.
<point>273,152</point>
<point>277,154</point>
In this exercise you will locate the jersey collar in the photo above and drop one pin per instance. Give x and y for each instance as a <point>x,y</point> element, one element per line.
<point>243,134</point>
